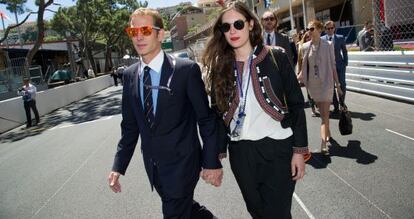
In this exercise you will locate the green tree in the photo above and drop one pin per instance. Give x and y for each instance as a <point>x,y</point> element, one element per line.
<point>96,20</point>
<point>16,7</point>
<point>114,17</point>
<point>42,4</point>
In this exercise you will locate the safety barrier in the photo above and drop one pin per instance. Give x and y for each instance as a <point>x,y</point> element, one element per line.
<point>12,111</point>
<point>389,74</point>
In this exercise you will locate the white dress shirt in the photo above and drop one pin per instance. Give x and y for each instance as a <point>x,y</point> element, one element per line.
<point>257,123</point>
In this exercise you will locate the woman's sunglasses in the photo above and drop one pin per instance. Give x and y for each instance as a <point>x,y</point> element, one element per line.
<point>145,30</point>
<point>310,29</point>
<point>239,25</point>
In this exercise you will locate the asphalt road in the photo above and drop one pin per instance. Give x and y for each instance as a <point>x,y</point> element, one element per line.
<point>59,169</point>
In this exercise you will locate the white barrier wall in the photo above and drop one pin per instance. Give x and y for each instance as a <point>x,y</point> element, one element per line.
<point>12,111</point>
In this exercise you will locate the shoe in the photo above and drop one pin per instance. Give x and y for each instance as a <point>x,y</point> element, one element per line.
<point>324,149</point>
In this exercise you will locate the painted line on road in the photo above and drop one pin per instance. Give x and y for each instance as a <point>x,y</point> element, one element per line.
<point>73,174</point>
<point>310,215</point>
<point>70,125</point>
<point>399,134</point>
<point>353,188</point>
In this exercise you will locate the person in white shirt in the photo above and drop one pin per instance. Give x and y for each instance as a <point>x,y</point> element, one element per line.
<point>91,74</point>
<point>28,93</point>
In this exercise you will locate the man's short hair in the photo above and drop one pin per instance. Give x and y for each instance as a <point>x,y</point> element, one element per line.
<point>330,23</point>
<point>151,12</point>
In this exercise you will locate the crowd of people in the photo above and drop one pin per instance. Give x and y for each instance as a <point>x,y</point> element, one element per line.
<point>255,114</point>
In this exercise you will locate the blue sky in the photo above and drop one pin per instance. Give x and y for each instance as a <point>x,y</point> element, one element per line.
<point>48,15</point>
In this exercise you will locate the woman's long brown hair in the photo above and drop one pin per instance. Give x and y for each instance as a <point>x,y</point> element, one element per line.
<point>218,58</point>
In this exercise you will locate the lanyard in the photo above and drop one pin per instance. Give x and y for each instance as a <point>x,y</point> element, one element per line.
<point>239,78</point>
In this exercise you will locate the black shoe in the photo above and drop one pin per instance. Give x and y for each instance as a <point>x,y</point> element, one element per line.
<point>200,212</point>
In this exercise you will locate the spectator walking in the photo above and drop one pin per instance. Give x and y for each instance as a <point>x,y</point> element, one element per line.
<point>91,74</point>
<point>28,93</point>
<point>273,38</point>
<point>254,89</point>
<point>114,74</point>
<point>319,75</point>
<point>305,38</point>
<point>341,59</point>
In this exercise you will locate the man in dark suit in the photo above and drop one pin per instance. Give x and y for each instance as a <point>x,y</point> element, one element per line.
<point>272,37</point>
<point>341,58</point>
<point>163,100</point>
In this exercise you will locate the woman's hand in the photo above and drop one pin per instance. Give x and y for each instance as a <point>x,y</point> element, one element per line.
<point>299,76</point>
<point>339,90</point>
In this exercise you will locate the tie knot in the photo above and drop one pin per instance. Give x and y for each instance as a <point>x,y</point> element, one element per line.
<point>147,69</point>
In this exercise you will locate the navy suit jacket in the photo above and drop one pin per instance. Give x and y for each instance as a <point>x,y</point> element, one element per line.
<point>341,54</point>
<point>172,145</point>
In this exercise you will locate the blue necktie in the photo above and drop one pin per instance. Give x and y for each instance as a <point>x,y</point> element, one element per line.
<point>148,104</point>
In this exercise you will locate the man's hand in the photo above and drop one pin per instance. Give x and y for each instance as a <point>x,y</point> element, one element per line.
<point>222,156</point>
<point>212,176</point>
<point>298,166</point>
<point>113,180</point>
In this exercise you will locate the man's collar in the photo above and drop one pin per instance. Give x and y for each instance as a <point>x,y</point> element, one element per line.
<point>156,62</point>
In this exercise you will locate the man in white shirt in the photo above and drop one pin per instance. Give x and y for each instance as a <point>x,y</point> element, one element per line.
<point>28,93</point>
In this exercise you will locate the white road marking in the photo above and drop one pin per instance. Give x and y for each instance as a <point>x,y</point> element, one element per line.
<point>310,215</point>
<point>399,134</point>
<point>353,188</point>
<point>70,125</point>
<point>362,195</point>
<point>73,174</point>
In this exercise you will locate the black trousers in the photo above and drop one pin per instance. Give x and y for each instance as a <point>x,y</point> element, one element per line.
<point>341,77</point>
<point>31,104</point>
<point>180,208</point>
<point>262,170</point>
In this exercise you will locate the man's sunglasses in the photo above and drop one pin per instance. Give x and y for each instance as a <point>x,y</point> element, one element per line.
<point>330,28</point>
<point>269,19</point>
<point>310,29</point>
<point>239,25</point>
<point>145,30</point>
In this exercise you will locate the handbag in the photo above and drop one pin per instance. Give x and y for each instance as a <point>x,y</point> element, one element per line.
<point>345,121</point>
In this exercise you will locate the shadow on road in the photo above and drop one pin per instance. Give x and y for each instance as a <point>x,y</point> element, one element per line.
<point>355,115</point>
<point>353,150</point>
<point>91,108</point>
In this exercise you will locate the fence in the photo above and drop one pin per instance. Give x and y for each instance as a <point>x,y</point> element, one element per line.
<point>393,20</point>
<point>388,74</point>
<point>11,77</point>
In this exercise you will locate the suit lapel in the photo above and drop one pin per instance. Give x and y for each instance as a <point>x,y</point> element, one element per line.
<point>166,71</point>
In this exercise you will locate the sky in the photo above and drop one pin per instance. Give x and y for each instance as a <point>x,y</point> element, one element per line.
<point>64,3</point>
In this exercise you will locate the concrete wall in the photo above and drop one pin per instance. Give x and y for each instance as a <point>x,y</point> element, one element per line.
<point>12,111</point>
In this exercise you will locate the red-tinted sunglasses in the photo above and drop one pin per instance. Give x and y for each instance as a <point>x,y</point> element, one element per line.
<point>145,30</point>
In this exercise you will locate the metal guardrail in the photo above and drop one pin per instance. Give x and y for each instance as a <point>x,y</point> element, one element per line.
<point>387,74</point>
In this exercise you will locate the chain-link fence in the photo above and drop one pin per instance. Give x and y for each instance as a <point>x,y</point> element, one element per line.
<point>11,77</point>
<point>392,25</point>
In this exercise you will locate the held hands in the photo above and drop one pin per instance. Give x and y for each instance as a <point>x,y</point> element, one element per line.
<point>212,176</point>
<point>113,180</point>
<point>298,166</point>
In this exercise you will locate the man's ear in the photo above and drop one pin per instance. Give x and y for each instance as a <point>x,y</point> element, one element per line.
<point>160,35</point>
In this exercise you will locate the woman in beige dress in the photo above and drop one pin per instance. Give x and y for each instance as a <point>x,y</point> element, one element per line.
<point>319,75</point>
